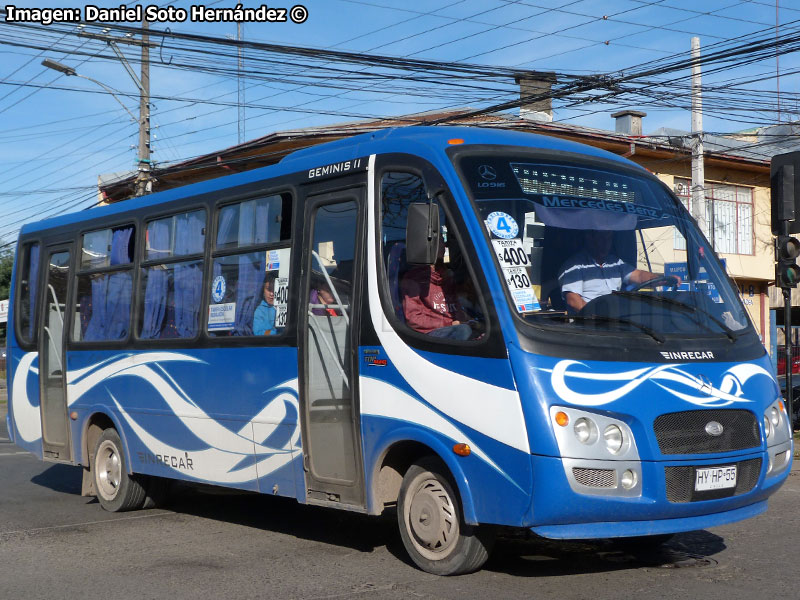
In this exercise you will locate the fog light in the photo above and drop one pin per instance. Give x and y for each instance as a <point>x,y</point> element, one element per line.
<point>585,431</point>
<point>613,437</point>
<point>629,479</point>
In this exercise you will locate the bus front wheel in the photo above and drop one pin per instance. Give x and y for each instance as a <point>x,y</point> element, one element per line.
<point>431,524</point>
<point>116,490</point>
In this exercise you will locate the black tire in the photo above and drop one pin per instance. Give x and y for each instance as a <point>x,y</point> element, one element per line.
<point>116,490</point>
<point>432,526</point>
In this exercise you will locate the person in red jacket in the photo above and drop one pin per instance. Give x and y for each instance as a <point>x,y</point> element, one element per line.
<point>430,303</point>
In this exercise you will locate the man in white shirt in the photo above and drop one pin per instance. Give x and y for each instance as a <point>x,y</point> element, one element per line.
<point>594,271</point>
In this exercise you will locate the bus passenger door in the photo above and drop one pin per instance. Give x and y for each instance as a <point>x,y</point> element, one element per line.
<point>52,375</point>
<point>329,328</point>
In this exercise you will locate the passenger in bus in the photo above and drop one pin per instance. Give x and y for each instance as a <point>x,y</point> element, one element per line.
<point>264,316</point>
<point>595,271</point>
<point>323,295</point>
<point>430,303</point>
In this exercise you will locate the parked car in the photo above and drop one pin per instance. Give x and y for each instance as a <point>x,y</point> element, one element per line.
<point>782,360</point>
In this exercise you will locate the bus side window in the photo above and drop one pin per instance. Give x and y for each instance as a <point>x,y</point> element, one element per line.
<point>172,288</point>
<point>250,271</point>
<point>440,301</point>
<point>27,293</point>
<point>104,293</point>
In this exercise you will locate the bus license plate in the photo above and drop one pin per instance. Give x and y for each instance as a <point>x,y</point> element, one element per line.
<point>715,478</point>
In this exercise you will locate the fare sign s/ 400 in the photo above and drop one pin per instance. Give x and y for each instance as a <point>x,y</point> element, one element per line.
<point>510,253</point>
<point>281,298</point>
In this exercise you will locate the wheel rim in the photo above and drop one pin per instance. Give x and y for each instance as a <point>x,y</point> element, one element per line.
<point>109,470</point>
<point>432,519</point>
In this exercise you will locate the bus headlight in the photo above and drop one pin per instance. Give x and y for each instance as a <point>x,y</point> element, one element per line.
<point>776,423</point>
<point>774,416</point>
<point>585,430</point>
<point>593,436</point>
<point>613,438</point>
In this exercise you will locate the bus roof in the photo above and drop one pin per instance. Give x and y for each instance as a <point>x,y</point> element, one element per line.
<point>412,139</point>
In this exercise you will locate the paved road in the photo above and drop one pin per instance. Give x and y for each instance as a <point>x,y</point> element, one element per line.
<point>56,544</point>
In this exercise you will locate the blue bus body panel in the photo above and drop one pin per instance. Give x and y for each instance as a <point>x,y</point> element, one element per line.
<point>24,418</point>
<point>637,393</point>
<point>494,480</point>
<point>616,529</point>
<point>226,416</point>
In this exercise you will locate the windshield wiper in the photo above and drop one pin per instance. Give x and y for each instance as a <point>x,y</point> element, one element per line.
<point>688,307</point>
<point>603,319</point>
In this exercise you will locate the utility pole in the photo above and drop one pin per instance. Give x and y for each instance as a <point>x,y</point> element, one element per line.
<point>240,83</point>
<point>144,184</point>
<point>698,174</point>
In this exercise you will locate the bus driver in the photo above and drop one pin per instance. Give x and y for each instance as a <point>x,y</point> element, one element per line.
<point>595,271</point>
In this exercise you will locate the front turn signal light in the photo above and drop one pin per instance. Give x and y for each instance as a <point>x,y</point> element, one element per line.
<point>462,449</point>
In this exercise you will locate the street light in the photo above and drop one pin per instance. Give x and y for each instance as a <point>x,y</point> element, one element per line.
<point>69,71</point>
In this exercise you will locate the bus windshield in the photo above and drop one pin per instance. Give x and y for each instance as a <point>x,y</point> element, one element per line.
<point>581,246</point>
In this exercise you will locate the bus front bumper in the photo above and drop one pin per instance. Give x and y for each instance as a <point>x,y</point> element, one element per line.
<point>561,511</point>
<point>613,529</point>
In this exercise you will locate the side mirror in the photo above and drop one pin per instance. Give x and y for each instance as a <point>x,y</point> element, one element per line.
<point>422,233</point>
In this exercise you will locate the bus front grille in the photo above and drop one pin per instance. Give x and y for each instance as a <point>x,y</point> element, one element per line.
<point>685,432</point>
<point>602,478</point>
<point>681,482</point>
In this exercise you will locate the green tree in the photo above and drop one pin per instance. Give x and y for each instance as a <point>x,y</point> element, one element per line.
<point>6,264</point>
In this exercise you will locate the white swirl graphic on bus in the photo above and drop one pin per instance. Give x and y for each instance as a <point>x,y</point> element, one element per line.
<point>565,378</point>
<point>266,443</point>
<point>232,456</point>
<point>27,417</point>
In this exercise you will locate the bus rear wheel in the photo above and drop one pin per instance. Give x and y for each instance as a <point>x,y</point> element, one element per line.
<point>431,523</point>
<point>116,490</point>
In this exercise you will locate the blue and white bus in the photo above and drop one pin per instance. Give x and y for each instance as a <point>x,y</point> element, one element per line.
<point>417,319</point>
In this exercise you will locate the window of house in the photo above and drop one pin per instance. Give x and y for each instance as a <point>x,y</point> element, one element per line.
<point>728,213</point>
<point>172,276</point>
<point>105,285</point>
<point>27,292</point>
<point>250,272</point>
<point>440,301</point>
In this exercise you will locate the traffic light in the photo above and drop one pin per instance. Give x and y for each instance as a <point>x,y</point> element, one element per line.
<point>784,175</point>
<point>787,272</point>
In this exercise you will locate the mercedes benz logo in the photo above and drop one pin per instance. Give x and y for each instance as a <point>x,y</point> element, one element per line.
<point>714,428</point>
<point>705,384</point>
<point>487,172</point>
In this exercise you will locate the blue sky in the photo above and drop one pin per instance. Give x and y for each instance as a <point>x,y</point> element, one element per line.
<point>55,142</point>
